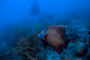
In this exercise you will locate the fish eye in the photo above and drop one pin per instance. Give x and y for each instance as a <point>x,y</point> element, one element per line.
<point>41,32</point>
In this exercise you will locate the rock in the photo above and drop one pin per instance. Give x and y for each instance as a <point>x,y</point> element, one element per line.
<point>81,49</point>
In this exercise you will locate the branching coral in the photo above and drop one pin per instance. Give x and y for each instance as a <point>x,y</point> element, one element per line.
<point>28,48</point>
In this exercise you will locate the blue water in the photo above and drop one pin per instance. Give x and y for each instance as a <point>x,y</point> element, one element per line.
<point>19,18</point>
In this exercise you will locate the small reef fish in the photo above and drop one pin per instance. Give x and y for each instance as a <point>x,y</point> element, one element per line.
<point>54,36</point>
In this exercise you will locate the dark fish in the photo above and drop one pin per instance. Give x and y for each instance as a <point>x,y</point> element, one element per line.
<point>54,37</point>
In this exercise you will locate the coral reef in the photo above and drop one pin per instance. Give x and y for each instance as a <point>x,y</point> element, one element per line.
<point>31,47</point>
<point>25,45</point>
<point>28,47</point>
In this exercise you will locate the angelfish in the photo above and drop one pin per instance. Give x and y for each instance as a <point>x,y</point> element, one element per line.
<point>54,36</point>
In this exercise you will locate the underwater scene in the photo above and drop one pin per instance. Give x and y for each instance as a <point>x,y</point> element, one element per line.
<point>44,29</point>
